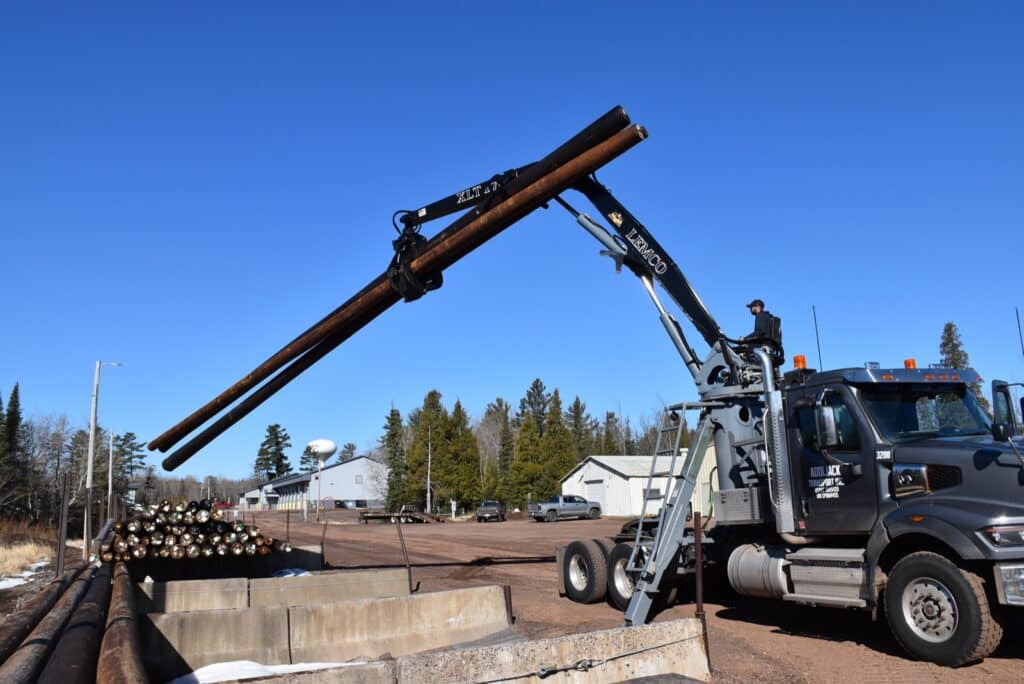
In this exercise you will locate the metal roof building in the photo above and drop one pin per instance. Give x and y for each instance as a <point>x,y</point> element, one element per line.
<point>618,482</point>
<point>359,482</point>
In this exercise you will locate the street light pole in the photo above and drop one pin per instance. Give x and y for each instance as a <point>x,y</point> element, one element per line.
<point>110,478</point>
<point>87,523</point>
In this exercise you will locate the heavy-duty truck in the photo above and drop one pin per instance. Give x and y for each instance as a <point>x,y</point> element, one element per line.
<point>888,490</point>
<point>881,489</point>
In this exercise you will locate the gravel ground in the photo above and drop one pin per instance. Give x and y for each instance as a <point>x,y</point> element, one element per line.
<point>750,639</point>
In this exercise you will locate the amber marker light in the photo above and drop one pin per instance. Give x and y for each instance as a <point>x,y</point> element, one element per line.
<point>916,518</point>
<point>800,362</point>
<point>910,363</point>
<point>887,376</point>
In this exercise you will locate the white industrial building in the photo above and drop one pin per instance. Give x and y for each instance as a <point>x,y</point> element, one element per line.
<point>618,483</point>
<point>359,482</point>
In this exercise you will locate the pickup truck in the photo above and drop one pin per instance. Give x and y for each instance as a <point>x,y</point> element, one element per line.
<point>490,510</point>
<point>569,506</point>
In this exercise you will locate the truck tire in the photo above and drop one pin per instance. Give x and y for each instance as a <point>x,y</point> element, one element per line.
<point>585,570</point>
<point>551,516</point>
<point>595,513</point>
<point>620,582</point>
<point>940,612</point>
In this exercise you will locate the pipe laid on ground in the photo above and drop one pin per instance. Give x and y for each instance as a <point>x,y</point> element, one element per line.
<point>599,130</point>
<point>443,250</point>
<point>74,657</point>
<point>18,624</point>
<point>25,664</point>
<point>120,653</point>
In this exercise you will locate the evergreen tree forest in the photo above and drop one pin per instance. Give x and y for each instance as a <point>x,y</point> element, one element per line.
<point>514,455</point>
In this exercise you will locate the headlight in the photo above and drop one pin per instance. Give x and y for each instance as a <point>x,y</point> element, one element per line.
<point>1010,584</point>
<point>1005,535</point>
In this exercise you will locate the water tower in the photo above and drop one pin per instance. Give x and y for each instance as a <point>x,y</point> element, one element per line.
<point>323,449</point>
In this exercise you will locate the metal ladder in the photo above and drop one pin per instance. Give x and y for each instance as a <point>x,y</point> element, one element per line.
<point>649,564</point>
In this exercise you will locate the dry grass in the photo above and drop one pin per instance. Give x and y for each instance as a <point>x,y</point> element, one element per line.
<point>16,557</point>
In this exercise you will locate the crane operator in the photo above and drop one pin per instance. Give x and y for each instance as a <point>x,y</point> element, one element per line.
<point>762,322</point>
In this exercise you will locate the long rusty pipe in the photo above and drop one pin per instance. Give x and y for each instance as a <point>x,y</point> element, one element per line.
<point>442,251</point>
<point>600,130</point>
<point>120,657</point>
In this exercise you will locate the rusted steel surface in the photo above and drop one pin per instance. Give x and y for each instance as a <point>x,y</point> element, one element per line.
<point>600,130</point>
<point>534,187</point>
<point>74,657</point>
<point>16,626</point>
<point>120,654</point>
<point>27,662</point>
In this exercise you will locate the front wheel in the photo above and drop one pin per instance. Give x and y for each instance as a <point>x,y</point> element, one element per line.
<point>595,513</point>
<point>939,612</point>
<point>551,516</point>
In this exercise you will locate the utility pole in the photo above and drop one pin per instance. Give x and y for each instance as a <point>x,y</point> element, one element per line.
<point>429,455</point>
<point>87,522</point>
<point>110,478</point>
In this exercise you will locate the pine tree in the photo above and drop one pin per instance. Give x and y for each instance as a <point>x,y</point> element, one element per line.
<point>528,478</point>
<point>428,436</point>
<point>131,453</point>
<point>611,442</point>
<point>14,466</point>
<point>271,459</point>
<point>582,426</point>
<point>461,474</point>
<point>556,445</point>
<point>148,485</point>
<point>535,403</point>
<point>393,445</point>
<point>308,460</point>
<point>347,452</point>
<point>953,355</point>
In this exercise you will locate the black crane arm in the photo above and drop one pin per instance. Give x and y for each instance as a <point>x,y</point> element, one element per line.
<point>646,256</point>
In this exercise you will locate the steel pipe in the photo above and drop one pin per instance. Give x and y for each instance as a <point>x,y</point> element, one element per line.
<point>120,658</point>
<point>600,130</point>
<point>442,251</point>
<point>75,655</point>
<point>25,664</point>
<point>18,624</point>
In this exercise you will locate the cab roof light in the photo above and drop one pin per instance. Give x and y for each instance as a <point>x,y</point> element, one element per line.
<point>887,376</point>
<point>800,362</point>
<point>910,363</point>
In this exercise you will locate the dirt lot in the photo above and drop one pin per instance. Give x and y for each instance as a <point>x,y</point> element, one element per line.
<point>750,640</point>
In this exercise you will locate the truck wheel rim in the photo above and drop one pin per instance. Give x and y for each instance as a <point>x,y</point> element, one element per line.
<point>623,582</point>
<point>930,610</point>
<point>577,573</point>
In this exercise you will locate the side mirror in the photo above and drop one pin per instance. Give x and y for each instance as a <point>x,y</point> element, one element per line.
<point>1001,432</point>
<point>825,422</point>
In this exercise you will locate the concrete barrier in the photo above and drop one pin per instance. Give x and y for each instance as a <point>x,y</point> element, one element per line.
<point>614,655</point>
<point>174,644</point>
<point>328,587</point>
<point>187,595</point>
<point>376,628</point>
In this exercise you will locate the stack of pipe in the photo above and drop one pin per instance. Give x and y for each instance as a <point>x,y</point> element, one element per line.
<point>583,154</point>
<point>185,531</point>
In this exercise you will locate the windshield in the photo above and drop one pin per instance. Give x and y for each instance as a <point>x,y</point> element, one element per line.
<point>910,412</point>
<point>489,503</point>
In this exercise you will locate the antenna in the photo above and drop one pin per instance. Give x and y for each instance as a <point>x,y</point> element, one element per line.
<point>817,338</point>
<point>1017,309</point>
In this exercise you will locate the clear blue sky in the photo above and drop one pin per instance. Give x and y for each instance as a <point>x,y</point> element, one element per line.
<point>184,188</point>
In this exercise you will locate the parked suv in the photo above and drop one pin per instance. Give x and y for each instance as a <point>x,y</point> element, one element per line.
<point>490,510</point>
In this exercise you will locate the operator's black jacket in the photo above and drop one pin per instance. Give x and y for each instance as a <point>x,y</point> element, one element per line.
<point>762,327</point>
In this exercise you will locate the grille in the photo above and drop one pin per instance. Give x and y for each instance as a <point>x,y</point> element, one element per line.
<point>943,477</point>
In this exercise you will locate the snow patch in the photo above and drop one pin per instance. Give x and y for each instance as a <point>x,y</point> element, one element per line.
<point>10,582</point>
<point>247,669</point>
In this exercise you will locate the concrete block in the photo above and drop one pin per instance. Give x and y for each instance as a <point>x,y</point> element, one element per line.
<point>376,628</point>
<point>187,595</point>
<point>174,644</point>
<point>626,653</point>
<point>328,587</point>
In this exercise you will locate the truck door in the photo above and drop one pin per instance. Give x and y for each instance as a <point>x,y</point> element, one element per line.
<point>839,493</point>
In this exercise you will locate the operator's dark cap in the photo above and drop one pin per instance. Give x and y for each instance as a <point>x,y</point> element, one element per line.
<point>756,302</point>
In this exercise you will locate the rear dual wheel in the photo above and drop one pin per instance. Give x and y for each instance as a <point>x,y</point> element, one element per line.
<point>585,569</point>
